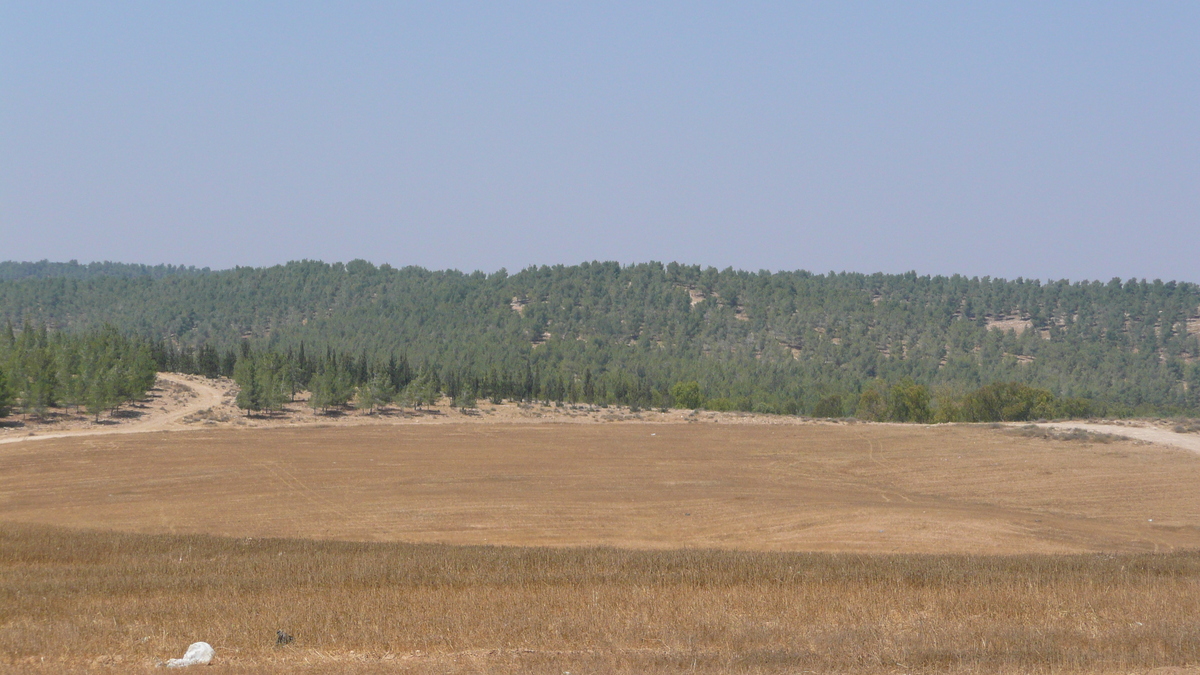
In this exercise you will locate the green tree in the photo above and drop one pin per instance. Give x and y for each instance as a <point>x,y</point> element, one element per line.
<point>464,401</point>
<point>589,387</point>
<point>68,375</point>
<point>102,392</point>
<point>872,406</point>
<point>5,395</point>
<point>829,406</point>
<point>1007,402</point>
<point>249,396</point>
<point>374,393</point>
<point>271,373</point>
<point>422,391</point>
<point>319,392</point>
<point>208,361</point>
<point>686,395</point>
<point>100,364</point>
<point>909,402</point>
<point>141,373</point>
<point>330,388</point>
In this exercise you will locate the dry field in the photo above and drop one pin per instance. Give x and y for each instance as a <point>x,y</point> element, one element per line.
<point>624,547</point>
<point>868,488</point>
<point>94,602</point>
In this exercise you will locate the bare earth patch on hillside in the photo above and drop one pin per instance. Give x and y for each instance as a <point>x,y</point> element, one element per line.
<point>1007,323</point>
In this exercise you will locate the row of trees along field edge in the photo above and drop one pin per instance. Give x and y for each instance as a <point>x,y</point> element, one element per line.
<point>98,371</point>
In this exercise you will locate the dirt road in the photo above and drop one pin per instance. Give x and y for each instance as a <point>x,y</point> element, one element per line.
<point>1147,433</point>
<point>174,398</point>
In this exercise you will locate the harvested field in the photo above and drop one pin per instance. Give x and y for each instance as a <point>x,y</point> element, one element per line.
<point>119,603</point>
<point>866,488</point>
<point>621,547</point>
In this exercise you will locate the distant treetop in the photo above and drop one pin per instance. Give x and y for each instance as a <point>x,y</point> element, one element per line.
<point>11,270</point>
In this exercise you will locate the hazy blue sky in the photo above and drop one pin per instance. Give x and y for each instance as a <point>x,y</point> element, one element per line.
<point>1039,139</point>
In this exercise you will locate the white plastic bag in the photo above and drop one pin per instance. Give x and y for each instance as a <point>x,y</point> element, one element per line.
<point>199,654</point>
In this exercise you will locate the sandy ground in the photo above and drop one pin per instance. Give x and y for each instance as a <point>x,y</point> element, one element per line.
<point>174,398</point>
<point>1148,432</point>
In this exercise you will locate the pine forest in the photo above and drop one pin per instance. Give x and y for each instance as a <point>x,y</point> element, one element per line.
<point>883,346</point>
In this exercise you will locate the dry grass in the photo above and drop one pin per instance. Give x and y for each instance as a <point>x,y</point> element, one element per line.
<point>1185,425</point>
<point>1053,434</point>
<point>710,519</point>
<point>849,488</point>
<point>87,600</point>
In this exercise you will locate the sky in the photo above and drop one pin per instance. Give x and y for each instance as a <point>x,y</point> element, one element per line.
<point>1052,140</point>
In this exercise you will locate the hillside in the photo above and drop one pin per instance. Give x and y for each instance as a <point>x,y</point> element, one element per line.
<point>776,342</point>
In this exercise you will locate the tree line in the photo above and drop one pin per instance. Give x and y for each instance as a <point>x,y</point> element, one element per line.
<point>267,380</point>
<point>96,371</point>
<point>100,370</point>
<point>781,342</point>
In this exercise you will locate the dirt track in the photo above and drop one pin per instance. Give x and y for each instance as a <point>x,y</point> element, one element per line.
<point>174,398</point>
<point>1141,432</point>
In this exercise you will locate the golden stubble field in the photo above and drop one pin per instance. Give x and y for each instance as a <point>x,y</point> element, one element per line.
<point>600,548</point>
<point>865,488</point>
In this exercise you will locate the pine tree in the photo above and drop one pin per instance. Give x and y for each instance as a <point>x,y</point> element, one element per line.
<point>102,392</point>
<point>208,362</point>
<point>228,363</point>
<point>376,392</point>
<point>5,395</point>
<point>318,394</point>
<point>589,387</point>
<point>245,374</point>
<point>271,377</point>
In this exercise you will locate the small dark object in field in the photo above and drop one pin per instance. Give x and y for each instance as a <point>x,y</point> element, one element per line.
<point>282,638</point>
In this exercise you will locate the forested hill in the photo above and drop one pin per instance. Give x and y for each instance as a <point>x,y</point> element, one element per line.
<point>44,269</point>
<point>771,341</point>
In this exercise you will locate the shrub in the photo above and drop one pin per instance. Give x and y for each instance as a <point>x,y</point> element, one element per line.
<point>829,406</point>
<point>686,395</point>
